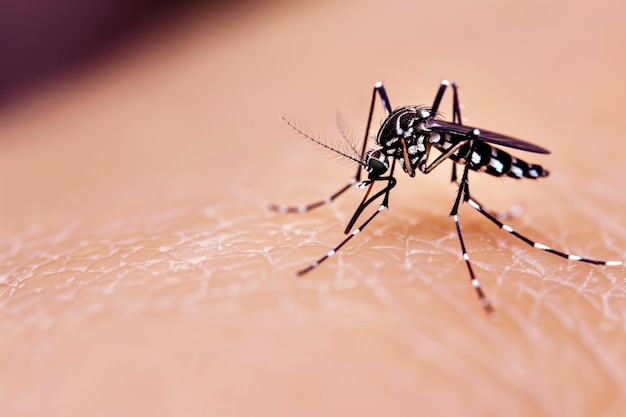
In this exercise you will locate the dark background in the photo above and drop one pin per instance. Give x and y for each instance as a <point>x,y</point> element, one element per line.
<point>43,40</point>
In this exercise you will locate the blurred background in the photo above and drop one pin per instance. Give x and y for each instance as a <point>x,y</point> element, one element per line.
<point>44,40</point>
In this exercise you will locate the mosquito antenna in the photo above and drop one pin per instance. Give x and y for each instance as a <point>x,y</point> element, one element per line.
<point>346,133</point>
<point>342,147</point>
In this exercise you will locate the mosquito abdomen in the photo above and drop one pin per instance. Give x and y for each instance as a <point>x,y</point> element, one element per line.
<point>496,162</point>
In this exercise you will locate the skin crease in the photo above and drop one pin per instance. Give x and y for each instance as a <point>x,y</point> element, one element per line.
<point>140,273</point>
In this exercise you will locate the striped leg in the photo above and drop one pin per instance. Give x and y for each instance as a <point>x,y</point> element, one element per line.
<point>334,250</point>
<point>282,208</point>
<point>479,291</point>
<point>512,213</point>
<point>463,195</point>
<point>391,182</point>
<point>537,245</point>
<point>456,118</point>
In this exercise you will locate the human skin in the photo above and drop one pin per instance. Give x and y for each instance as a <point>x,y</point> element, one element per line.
<point>141,274</point>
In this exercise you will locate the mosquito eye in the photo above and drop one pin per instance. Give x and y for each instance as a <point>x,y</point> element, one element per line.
<point>377,164</point>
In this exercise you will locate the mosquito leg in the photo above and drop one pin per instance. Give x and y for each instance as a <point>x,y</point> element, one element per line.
<point>443,157</point>
<point>463,193</point>
<point>382,93</point>
<point>475,283</point>
<point>456,118</point>
<point>453,177</point>
<point>334,250</point>
<point>513,212</point>
<point>282,208</point>
<point>440,92</point>
<point>537,245</point>
<point>391,182</point>
<point>456,105</point>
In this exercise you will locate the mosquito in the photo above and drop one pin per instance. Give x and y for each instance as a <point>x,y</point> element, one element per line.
<point>406,137</point>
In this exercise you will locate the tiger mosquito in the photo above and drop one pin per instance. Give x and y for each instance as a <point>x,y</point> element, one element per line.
<point>406,136</point>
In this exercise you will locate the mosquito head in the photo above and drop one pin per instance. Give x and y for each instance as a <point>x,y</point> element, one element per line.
<point>376,164</point>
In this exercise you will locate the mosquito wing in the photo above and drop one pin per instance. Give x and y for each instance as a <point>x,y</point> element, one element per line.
<point>443,127</point>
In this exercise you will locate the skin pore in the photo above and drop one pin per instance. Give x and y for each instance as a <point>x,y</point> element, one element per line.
<point>141,274</point>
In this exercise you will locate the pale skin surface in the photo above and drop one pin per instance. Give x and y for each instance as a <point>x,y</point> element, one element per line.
<point>140,273</point>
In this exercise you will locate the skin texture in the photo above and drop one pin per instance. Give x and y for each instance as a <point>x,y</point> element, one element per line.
<point>141,274</point>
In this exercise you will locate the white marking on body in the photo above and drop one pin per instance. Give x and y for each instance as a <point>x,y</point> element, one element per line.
<point>420,144</point>
<point>613,263</point>
<point>517,171</point>
<point>574,258</point>
<point>476,132</point>
<point>476,158</point>
<point>425,113</point>
<point>507,228</point>
<point>497,165</point>
<point>542,246</point>
<point>434,137</point>
<point>412,150</point>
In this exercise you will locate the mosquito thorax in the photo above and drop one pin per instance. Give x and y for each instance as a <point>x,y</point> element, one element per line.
<point>376,163</point>
<point>404,135</point>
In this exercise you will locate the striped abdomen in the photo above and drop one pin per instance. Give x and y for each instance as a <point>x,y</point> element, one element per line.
<point>495,161</point>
